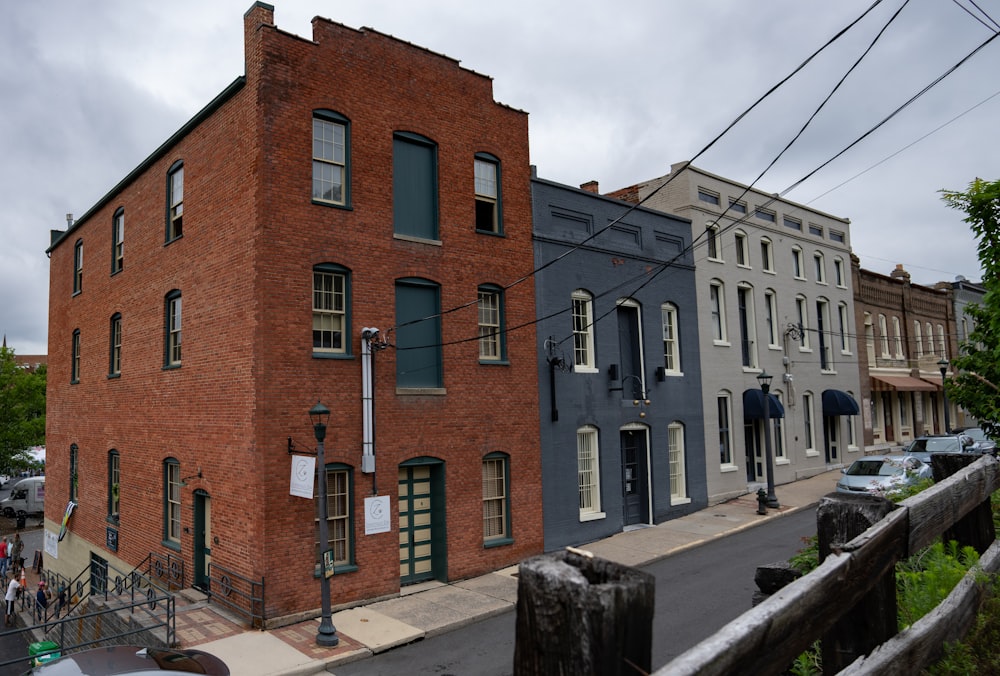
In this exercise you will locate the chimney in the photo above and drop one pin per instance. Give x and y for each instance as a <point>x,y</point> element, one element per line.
<point>590,186</point>
<point>69,220</point>
<point>900,273</point>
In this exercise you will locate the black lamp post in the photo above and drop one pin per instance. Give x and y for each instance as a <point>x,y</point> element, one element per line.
<point>765,385</point>
<point>327,635</point>
<point>943,364</point>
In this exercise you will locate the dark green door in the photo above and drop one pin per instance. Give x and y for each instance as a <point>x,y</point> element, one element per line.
<point>421,523</point>
<point>202,539</point>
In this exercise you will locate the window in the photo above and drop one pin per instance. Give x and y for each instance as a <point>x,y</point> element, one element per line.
<point>764,215</point>
<point>114,482</point>
<point>488,212</point>
<point>792,223</point>
<point>175,201</point>
<point>712,235</point>
<point>583,331</point>
<point>329,152</point>
<point>897,336</point>
<point>869,338</point>
<point>748,328</point>
<point>942,345</point>
<point>588,472</point>
<point>329,313</point>
<point>172,502</point>
<point>807,419</point>
<point>838,273</point>
<point>414,186</point>
<point>904,406</point>
<point>802,311</point>
<point>852,432</point>
<point>918,339</point>
<point>338,516</point>
<point>836,236</point>
<point>845,321</point>
<point>173,329</point>
<point>496,500</point>
<point>771,317</point>
<point>671,341</point>
<point>815,230</point>
<point>883,336</point>
<point>74,472</point>
<point>78,267</point>
<point>778,430</point>
<point>797,265</point>
<point>118,241</point>
<point>717,302</point>
<point>820,265</point>
<point>74,368</point>
<point>491,337</point>
<point>822,328</point>
<point>737,207</point>
<point>708,196</point>
<point>675,452</point>
<point>742,255</point>
<point>766,255</point>
<point>930,339</point>
<point>418,336</point>
<point>725,427</point>
<point>115,361</point>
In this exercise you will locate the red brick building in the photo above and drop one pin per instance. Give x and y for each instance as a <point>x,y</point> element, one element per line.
<point>348,181</point>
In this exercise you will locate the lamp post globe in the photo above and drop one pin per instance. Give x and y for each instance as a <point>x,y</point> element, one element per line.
<point>765,385</point>
<point>327,634</point>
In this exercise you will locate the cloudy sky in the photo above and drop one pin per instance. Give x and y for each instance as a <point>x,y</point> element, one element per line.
<point>616,92</point>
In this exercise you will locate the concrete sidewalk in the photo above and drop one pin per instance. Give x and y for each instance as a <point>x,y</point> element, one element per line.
<point>425,610</point>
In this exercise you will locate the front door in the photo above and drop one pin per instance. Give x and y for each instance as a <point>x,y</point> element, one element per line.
<point>755,449</point>
<point>202,539</point>
<point>887,416</point>
<point>635,476</point>
<point>831,424</point>
<point>421,523</point>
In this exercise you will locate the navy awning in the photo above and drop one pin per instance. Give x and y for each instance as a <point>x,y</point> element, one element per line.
<point>836,402</point>
<point>753,405</point>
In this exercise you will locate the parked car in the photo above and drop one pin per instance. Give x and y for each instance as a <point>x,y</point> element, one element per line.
<point>138,660</point>
<point>923,447</point>
<point>880,475</point>
<point>983,443</point>
<point>27,496</point>
<point>3,480</point>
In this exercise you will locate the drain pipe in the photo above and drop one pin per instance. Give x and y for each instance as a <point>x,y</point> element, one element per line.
<point>368,336</point>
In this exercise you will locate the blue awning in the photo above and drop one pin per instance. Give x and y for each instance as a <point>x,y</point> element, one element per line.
<point>753,405</point>
<point>836,402</point>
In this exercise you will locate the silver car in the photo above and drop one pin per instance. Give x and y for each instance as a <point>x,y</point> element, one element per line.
<point>134,660</point>
<point>882,474</point>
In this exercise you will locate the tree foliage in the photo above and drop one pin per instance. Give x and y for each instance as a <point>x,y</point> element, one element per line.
<point>976,385</point>
<point>22,407</point>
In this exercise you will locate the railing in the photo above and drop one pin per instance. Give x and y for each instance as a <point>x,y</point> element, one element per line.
<point>239,594</point>
<point>767,639</point>
<point>169,570</point>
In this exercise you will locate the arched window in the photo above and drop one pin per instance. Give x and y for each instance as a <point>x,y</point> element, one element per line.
<point>331,154</point>
<point>584,358</point>
<point>331,330</point>
<point>588,471</point>
<point>671,339</point>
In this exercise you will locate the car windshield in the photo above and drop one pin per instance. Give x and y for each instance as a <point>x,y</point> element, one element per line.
<point>875,468</point>
<point>936,445</point>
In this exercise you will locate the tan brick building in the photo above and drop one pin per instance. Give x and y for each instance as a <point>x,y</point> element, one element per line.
<point>347,181</point>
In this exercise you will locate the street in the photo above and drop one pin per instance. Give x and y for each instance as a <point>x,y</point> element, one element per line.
<point>14,645</point>
<point>697,592</point>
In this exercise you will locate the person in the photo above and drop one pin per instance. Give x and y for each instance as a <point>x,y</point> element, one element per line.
<point>41,600</point>
<point>10,598</point>
<point>15,550</point>
<point>3,557</point>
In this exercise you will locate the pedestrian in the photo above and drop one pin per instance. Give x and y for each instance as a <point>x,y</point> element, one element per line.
<point>3,558</point>
<point>16,549</point>
<point>10,597</point>
<point>41,600</point>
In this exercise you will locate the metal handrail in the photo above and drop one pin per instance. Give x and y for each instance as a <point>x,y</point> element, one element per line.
<point>238,593</point>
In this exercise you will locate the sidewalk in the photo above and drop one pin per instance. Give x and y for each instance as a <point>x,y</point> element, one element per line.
<point>432,608</point>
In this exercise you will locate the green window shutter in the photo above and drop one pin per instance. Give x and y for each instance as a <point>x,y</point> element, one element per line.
<point>414,187</point>
<point>418,353</point>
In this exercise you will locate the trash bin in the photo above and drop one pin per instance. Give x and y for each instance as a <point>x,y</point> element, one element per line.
<point>42,652</point>
<point>21,519</point>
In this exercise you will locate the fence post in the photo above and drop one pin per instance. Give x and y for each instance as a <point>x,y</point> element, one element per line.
<point>839,519</point>
<point>581,615</point>
<point>976,528</point>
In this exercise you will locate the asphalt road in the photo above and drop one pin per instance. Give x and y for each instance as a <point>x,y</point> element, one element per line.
<point>14,645</point>
<point>697,592</point>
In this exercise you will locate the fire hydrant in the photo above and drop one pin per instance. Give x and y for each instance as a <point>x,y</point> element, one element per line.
<point>761,501</point>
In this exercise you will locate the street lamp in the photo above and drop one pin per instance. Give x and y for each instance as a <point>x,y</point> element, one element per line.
<point>943,365</point>
<point>765,385</point>
<point>327,635</point>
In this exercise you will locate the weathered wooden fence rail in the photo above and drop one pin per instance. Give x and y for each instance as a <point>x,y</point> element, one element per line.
<point>767,638</point>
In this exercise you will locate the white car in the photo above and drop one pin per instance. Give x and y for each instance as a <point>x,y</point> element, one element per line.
<point>3,480</point>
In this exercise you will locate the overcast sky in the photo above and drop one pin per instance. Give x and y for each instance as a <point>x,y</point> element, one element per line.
<point>616,92</point>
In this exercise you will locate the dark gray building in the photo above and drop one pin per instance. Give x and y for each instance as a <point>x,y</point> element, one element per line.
<point>622,429</point>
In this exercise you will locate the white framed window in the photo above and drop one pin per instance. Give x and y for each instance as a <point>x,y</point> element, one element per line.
<point>918,339</point>
<point>717,303</point>
<point>588,472</point>
<point>118,241</point>
<point>897,337</point>
<point>725,419</point>
<point>78,266</point>
<point>671,339</point>
<point>771,319</point>
<point>748,326</point>
<point>713,240</point>
<point>798,266</point>
<point>496,499</point>
<point>809,429</point>
<point>329,310</point>
<point>845,322</point>
<point>742,252</point>
<point>175,201</point>
<point>824,336</point>
<point>840,276</point>
<point>766,255</point>
<point>802,313</point>
<point>173,329</point>
<point>490,324</point>
<point>930,339</point>
<point>583,332</point>
<point>819,263</point>
<point>675,452</point>
<point>172,501</point>
<point>778,429</point>
<point>883,330</point>
<point>487,187</point>
<point>870,338</point>
<point>329,158</point>
<point>942,345</point>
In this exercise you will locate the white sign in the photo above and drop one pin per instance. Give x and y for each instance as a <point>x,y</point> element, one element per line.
<point>378,513</point>
<point>303,471</point>
<point>51,544</point>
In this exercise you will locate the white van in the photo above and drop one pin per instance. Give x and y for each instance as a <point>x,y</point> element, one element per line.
<point>26,497</point>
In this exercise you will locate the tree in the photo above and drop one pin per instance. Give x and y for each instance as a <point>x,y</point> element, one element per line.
<point>976,384</point>
<point>22,406</point>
